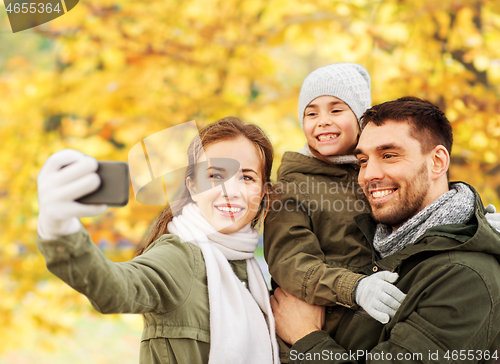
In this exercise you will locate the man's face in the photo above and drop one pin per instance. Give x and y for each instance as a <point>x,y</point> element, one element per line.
<point>394,173</point>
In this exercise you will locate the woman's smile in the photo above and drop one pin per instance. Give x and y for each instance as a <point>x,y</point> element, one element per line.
<point>230,210</point>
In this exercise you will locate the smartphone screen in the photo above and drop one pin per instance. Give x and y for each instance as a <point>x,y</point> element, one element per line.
<point>114,188</point>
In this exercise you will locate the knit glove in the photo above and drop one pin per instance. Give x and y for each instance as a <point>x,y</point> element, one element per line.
<point>378,296</point>
<point>492,217</point>
<point>59,187</point>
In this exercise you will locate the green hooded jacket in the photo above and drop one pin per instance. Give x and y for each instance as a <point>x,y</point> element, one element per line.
<point>167,283</point>
<point>451,313</point>
<point>311,242</point>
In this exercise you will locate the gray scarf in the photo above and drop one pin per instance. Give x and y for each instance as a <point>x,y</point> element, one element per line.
<point>453,207</point>
<point>334,159</point>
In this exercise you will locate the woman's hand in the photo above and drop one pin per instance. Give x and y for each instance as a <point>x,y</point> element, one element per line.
<point>66,176</point>
<point>492,216</point>
<point>295,318</point>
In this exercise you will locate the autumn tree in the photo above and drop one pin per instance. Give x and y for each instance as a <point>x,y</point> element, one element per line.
<point>111,73</point>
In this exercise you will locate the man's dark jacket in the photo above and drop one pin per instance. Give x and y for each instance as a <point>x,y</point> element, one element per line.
<point>451,276</point>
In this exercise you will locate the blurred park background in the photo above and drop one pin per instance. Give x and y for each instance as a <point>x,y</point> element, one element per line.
<point>110,73</point>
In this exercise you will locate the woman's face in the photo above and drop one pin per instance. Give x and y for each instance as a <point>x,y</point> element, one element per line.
<point>228,188</point>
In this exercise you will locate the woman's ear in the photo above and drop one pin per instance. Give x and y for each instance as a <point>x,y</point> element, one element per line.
<point>267,191</point>
<point>264,191</point>
<point>191,188</point>
<point>440,162</point>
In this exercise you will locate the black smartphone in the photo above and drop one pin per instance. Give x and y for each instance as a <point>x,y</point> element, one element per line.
<point>114,188</point>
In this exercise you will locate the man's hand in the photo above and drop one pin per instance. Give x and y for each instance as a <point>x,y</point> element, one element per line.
<point>66,176</point>
<point>295,318</point>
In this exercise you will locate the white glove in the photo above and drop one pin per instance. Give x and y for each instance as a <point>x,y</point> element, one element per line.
<point>59,188</point>
<point>492,217</point>
<point>378,296</point>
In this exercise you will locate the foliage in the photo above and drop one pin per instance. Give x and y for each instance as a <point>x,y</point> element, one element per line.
<point>112,72</point>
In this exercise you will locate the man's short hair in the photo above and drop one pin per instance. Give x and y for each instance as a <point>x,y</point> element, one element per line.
<point>428,124</point>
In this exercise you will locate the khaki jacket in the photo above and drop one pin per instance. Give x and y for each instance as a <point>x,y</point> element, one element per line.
<point>168,284</point>
<point>451,313</point>
<point>311,242</point>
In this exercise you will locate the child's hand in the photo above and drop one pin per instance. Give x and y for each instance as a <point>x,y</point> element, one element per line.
<point>378,296</point>
<point>66,176</point>
<point>492,217</point>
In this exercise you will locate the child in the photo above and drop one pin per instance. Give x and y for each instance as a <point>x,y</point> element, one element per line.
<point>311,241</point>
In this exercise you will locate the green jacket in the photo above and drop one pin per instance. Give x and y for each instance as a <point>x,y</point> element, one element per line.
<point>451,313</point>
<point>311,242</point>
<point>168,284</point>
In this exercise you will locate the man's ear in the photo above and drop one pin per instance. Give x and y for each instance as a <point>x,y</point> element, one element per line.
<point>440,162</point>
<point>191,188</point>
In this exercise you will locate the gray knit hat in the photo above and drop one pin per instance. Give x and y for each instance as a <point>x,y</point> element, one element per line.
<point>349,82</point>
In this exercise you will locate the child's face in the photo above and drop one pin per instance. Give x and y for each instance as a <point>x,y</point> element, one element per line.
<point>330,126</point>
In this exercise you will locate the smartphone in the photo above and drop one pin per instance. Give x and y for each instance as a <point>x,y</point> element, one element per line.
<point>114,188</point>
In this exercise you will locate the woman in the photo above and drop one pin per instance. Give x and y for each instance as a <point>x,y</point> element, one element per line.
<point>190,278</point>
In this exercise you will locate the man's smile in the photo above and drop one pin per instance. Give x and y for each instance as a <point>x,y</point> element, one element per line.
<point>378,195</point>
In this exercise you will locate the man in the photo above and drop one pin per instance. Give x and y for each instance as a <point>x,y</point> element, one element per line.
<point>432,233</point>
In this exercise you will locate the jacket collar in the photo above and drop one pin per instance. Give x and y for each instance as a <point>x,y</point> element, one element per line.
<point>293,162</point>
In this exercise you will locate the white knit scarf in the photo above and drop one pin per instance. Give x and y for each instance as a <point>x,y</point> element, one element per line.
<point>334,159</point>
<point>241,321</point>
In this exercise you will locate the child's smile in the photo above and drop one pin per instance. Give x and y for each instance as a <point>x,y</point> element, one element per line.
<point>325,137</point>
<point>330,126</point>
